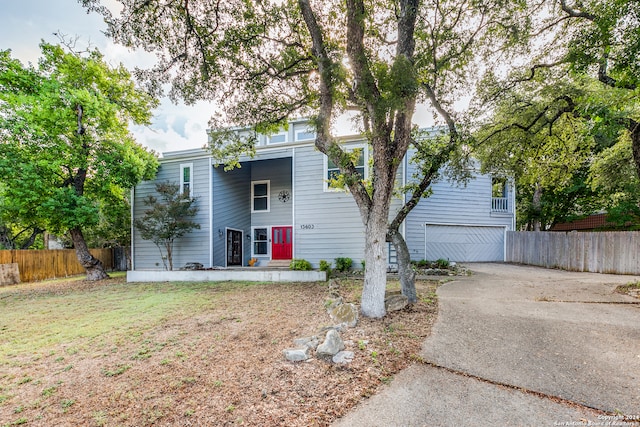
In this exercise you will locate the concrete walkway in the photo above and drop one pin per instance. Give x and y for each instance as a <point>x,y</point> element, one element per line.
<point>521,346</point>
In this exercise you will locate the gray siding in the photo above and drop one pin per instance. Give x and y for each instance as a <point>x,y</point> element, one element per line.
<point>231,209</point>
<point>193,247</point>
<point>278,173</point>
<point>327,224</point>
<point>455,204</point>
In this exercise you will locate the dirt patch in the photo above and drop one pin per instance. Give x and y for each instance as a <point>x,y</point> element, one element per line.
<point>220,365</point>
<point>632,289</point>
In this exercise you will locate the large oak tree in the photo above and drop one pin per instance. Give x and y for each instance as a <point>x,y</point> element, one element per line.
<point>264,61</point>
<point>65,147</point>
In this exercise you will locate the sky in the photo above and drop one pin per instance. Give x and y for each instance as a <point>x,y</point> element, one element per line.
<point>24,23</point>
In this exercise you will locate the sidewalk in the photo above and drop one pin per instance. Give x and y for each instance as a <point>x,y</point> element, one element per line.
<point>520,346</point>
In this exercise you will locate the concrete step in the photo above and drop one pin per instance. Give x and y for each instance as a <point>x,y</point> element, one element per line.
<point>279,263</point>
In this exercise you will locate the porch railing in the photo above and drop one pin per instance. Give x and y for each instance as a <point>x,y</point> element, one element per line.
<point>499,204</point>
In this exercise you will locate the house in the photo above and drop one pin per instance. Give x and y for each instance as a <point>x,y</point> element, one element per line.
<point>280,205</point>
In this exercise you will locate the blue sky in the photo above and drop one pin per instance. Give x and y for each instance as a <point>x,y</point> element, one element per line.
<point>24,23</point>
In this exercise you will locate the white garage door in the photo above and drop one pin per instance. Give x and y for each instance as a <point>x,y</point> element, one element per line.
<point>464,243</point>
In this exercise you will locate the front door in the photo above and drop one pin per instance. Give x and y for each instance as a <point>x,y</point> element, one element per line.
<point>234,247</point>
<point>281,243</point>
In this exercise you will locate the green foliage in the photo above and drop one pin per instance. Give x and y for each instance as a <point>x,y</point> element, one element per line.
<point>442,263</point>
<point>66,152</point>
<point>300,264</point>
<point>343,264</point>
<point>167,219</point>
<point>326,267</point>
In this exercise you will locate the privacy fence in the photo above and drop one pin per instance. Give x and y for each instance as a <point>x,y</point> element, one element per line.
<point>47,264</point>
<point>599,252</point>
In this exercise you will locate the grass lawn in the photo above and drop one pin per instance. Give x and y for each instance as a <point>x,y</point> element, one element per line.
<point>114,353</point>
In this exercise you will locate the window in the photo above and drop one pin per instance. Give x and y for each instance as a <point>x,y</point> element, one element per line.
<point>186,179</point>
<point>498,187</point>
<point>305,134</point>
<point>260,241</point>
<point>333,171</point>
<point>260,196</point>
<point>278,138</point>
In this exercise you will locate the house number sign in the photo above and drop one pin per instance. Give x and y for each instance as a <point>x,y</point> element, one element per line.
<point>307,226</point>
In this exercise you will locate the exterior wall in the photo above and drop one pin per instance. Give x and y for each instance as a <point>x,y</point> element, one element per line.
<point>278,173</point>
<point>194,246</point>
<point>454,204</point>
<point>327,223</point>
<point>231,209</point>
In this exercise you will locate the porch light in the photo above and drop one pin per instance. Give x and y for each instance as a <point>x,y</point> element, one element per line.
<point>220,233</point>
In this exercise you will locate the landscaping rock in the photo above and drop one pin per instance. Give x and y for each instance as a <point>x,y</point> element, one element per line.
<point>345,314</point>
<point>297,354</point>
<point>193,266</point>
<point>334,288</point>
<point>333,302</point>
<point>310,342</point>
<point>343,357</point>
<point>331,346</point>
<point>395,302</point>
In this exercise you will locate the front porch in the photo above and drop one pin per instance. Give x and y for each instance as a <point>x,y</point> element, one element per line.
<point>246,274</point>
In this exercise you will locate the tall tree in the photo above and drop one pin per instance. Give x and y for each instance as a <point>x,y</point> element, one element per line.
<point>64,141</point>
<point>573,100</point>
<point>265,61</point>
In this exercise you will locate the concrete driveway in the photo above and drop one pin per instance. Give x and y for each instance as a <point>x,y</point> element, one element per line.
<point>521,346</point>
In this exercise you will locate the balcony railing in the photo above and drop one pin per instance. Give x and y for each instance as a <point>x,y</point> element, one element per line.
<point>499,204</point>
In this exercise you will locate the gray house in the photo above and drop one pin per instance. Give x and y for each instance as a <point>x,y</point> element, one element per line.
<point>280,205</point>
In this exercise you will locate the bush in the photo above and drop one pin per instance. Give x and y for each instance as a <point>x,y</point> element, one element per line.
<point>442,263</point>
<point>343,264</point>
<point>300,264</point>
<point>326,267</point>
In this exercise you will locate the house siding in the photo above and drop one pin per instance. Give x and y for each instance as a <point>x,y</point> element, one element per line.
<point>453,203</point>
<point>231,209</point>
<point>327,223</point>
<point>194,246</point>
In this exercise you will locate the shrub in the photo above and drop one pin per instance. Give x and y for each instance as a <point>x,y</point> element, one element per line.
<point>442,263</point>
<point>325,266</point>
<point>363,262</point>
<point>300,264</point>
<point>343,264</point>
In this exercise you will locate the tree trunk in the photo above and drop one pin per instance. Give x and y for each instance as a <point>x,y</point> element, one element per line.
<point>536,205</point>
<point>375,276</point>
<point>406,274</point>
<point>92,265</point>
<point>634,132</point>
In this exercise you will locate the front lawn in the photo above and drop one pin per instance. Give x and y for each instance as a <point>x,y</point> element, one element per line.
<point>112,353</point>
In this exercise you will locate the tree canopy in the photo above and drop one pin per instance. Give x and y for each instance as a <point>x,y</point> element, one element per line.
<point>265,61</point>
<point>560,119</point>
<point>65,147</point>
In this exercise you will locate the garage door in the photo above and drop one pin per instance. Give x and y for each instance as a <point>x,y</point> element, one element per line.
<point>464,243</point>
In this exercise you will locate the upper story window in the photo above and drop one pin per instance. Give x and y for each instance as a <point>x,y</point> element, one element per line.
<point>260,196</point>
<point>305,134</point>
<point>278,138</point>
<point>333,172</point>
<point>186,179</point>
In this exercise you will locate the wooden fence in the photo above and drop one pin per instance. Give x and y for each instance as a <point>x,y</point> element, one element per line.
<point>615,252</point>
<point>48,264</point>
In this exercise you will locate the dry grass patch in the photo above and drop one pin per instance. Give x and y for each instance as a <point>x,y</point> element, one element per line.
<point>112,353</point>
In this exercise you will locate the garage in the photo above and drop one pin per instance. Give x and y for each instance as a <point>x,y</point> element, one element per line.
<point>468,243</point>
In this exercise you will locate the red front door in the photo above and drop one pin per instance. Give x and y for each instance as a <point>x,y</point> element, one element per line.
<point>281,243</point>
